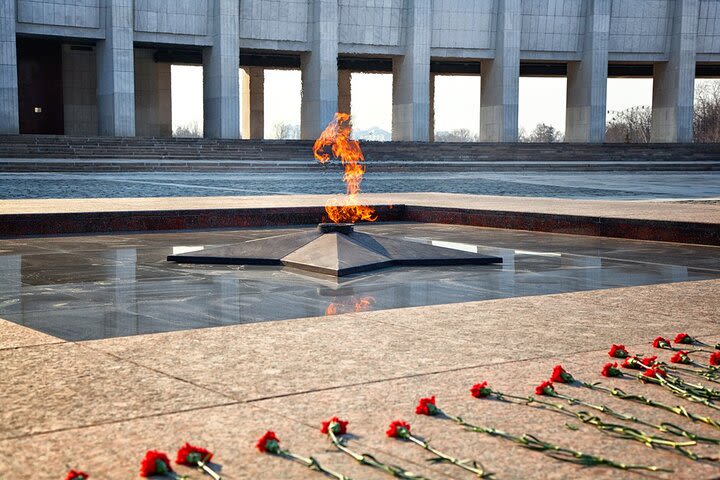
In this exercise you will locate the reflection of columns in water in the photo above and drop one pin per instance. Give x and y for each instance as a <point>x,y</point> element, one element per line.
<point>674,273</point>
<point>228,293</point>
<point>503,280</point>
<point>11,286</point>
<point>124,318</point>
<point>591,266</point>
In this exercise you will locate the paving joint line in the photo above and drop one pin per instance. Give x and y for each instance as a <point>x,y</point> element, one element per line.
<point>158,371</point>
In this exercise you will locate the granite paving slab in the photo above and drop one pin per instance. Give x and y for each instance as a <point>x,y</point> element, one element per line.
<point>113,451</point>
<point>64,386</point>
<point>13,335</point>
<point>647,210</point>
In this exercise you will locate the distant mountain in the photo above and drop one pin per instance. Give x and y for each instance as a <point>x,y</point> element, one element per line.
<point>376,134</point>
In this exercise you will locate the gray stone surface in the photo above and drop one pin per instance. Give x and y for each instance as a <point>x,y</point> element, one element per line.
<point>587,79</point>
<point>319,70</point>
<point>584,34</point>
<point>411,78</point>
<point>344,91</point>
<point>674,82</point>
<point>153,99</point>
<point>115,72</point>
<point>79,91</point>
<point>253,102</point>
<point>499,95</point>
<point>9,118</point>
<point>221,74</point>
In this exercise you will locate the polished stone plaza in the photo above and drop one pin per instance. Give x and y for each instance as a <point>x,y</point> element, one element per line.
<point>108,350</point>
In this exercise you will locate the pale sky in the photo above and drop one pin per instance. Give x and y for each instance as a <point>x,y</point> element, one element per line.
<point>457,99</point>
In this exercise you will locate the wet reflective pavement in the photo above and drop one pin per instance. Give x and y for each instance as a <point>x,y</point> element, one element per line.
<point>90,287</point>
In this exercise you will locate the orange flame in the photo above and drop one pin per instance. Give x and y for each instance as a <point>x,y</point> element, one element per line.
<point>337,136</point>
<point>362,305</point>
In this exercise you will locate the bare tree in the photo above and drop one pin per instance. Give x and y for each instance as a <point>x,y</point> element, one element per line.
<point>542,133</point>
<point>629,126</point>
<point>190,130</point>
<point>458,135</point>
<point>706,121</point>
<point>282,130</point>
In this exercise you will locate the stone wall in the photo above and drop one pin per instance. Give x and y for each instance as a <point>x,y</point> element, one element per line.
<point>79,90</point>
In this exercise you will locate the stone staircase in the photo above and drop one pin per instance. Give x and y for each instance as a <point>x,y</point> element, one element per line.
<point>65,153</point>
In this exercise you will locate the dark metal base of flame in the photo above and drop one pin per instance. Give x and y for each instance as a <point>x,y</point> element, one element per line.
<point>334,249</point>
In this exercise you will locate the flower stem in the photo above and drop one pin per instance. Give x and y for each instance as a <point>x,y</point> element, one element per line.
<point>679,391</point>
<point>202,465</point>
<point>475,468</point>
<point>620,431</point>
<point>677,410</point>
<point>664,427</point>
<point>559,453</point>
<point>312,464</point>
<point>371,461</point>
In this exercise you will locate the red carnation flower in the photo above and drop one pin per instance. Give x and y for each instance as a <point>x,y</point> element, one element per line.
<point>426,406</point>
<point>654,372</point>
<point>611,370</point>
<point>77,475</point>
<point>649,361</point>
<point>339,427</point>
<point>191,455</point>
<point>481,390</point>
<point>155,463</point>
<point>714,359</point>
<point>398,429</point>
<point>559,375</point>
<point>661,342</point>
<point>545,388</point>
<point>618,351</point>
<point>632,362</point>
<point>269,443</point>
<point>684,338</point>
<point>681,357</point>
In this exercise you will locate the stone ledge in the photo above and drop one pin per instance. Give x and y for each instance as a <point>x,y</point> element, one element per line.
<point>656,221</point>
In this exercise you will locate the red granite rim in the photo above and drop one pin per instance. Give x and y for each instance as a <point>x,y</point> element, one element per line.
<point>22,225</point>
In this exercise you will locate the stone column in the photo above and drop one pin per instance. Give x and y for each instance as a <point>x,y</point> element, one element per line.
<point>319,70</point>
<point>153,97</point>
<point>253,103</point>
<point>9,108</point>
<point>587,79</point>
<point>674,81</point>
<point>115,72</point>
<point>221,73</point>
<point>501,78</point>
<point>411,77</point>
<point>344,91</point>
<point>431,129</point>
